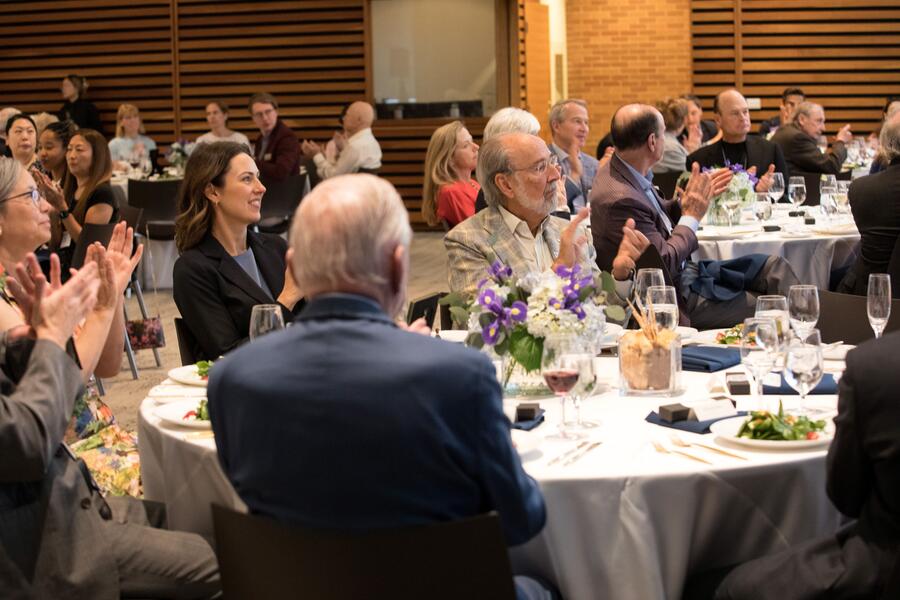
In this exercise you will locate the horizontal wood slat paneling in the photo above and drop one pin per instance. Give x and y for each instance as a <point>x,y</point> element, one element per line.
<point>843,53</point>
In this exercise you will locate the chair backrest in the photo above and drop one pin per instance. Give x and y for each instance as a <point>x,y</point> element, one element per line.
<point>90,233</point>
<point>132,216</point>
<point>187,343</point>
<point>894,270</point>
<point>666,182</point>
<point>844,317</point>
<point>426,307</point>
<point>157,198</point>
<point>261,558</point>
<point>282,197</point>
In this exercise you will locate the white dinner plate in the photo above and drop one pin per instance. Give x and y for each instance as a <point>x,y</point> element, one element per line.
<point>838,352</point>
<point>173,414</point>
<point>611,336</point>
<point>713,233</point>
<point>525,442</point>
<point>843,229</point>
<point>796,234</point>
<point>727,430</point>
<point>454,335</point>
<point>187,375</point>
<point>708,337</point>
<point>687,333</point>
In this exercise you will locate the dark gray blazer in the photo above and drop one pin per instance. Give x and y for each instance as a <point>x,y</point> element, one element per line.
<point>804,158</point>
<point>51,528</point>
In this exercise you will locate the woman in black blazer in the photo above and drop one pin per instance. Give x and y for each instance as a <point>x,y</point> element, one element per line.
<point>225,270</point>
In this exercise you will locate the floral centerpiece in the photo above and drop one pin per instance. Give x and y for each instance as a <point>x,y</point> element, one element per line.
<point>741,189</point>
<point>513,316</point>
<point>178,153</point>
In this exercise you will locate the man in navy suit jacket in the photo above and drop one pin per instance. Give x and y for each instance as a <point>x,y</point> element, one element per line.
<point>346,421</point>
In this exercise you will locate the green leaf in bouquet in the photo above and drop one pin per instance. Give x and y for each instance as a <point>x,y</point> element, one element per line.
<point>607,282</point>
<point>454,299</point>
<point>502,345</point>
<point>614,313</point>
<point>526,349</point>
<point>460,316</point>
<point>485,319</point>
<point>475,340</point>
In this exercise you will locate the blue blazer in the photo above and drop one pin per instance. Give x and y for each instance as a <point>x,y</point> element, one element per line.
<point>344,421</point>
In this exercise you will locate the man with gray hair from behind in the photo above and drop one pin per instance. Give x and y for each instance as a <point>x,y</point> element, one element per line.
<point>309,439</point>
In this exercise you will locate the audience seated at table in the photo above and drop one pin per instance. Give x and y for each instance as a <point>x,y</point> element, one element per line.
<point>569,127</point>
<point>674,158</point>
<point>736,147</point>
<point>276,149</point>
<point>790,99</point>
<point>517,228</point>
<point>413,433</point>
<point>860,559</point>
<point>130,146</point>
<point>217,118</point>
<point>799,141</point>
<point>623,191</point>
<point>21,137</point>
<point>875,203</point>
<point>5,114</point>
<point>506,120</point>
<point>697,131</point>
<point>77,108</point>
<point>449,191</point>
<point>225,270</point>
<point>59,537</point>
<point>357,148</point>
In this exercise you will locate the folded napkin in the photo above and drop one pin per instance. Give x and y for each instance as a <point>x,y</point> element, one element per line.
<point>707,359</point>
<point>530,424</point>
<point>690,426</point>
<point>827,386</point>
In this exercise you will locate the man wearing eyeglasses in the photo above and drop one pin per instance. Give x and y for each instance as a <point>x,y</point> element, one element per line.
<point>276,150</point>
<point>519,175</point>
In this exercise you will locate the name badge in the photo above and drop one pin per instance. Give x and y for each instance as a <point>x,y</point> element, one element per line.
<point>267,156</point>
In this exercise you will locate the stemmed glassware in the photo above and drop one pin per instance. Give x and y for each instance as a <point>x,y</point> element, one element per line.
<point>776,187</point>
<point>760,349</point>
<point>665,305</point>
<point>842,197</point>
<point>587,381</point>
<point>762,208</point>
<point>732,205</point>
<point>644,279</point>
<point>775,307</point>
<point>803,303</point>
<point>879,302</point>
<point>265,318</point>
<point>827,190</point>
<point>561,367</point>
<point>803,367</point>
<point>797,191</point>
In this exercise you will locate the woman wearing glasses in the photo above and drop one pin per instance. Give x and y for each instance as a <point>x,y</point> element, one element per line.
<point>449,191</point>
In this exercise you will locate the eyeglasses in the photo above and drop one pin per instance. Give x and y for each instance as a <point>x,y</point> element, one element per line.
<point>33,194</point>
<point>541,167</point>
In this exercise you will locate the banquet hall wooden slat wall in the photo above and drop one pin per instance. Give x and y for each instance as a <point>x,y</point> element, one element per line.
<point>843,53</point>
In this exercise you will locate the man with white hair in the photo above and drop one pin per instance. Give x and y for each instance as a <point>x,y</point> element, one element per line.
<point>305,439</point>
<point>569,128</point>
<point>506,120</point>
<point>799,141</point>
<point>358,150</point>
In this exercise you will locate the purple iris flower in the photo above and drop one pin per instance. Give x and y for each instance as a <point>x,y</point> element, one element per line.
<point>499,271</point>
<point>488,299</point>
<point>491,333</point>
<point>518,312</point>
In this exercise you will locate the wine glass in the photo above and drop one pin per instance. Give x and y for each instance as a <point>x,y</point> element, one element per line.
<point>841,196</point>
<point>797,191</point>
<point>265,318</point>
<point>776,187</point>
<point>822,143</point>
<point>759,350</point>
<point>803,302</point>
<point>762,208</point>
<point>803,367</point>
<point>561,366</point>
<point>732,205</point>
<point>587,381</point>
<point>879,302</point>
<point>644,279</point>
<point>775,307</point>
<point>853,151</point>
<point>665,305</point>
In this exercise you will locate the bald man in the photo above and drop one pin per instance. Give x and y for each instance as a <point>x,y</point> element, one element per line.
<point>736,147</point>
<point>357,148</point>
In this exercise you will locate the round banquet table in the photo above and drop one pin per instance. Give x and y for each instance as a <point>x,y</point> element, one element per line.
<point>811,250</point>
<point>623,522</point>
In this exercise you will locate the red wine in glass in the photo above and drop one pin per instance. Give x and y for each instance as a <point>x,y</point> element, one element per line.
<point>561,381</point>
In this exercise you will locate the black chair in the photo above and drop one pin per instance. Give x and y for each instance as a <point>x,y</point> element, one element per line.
<point>425,307</point>
<point>158,201</point>
<point>90,233</point>
<point>187,343</point>
<point>666,183</point>
<point>894,270</point>
<point>844,317</point>
<point>279,203</point>
<point>261,558</point>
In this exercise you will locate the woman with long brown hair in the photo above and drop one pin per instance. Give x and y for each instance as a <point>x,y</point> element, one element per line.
<point>448,193</point>
<point>224,269</point>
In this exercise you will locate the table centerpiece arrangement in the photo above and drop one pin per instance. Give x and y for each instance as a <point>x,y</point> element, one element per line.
<point>649,357</point>
<point>725,208</point>
<point>178,154</point>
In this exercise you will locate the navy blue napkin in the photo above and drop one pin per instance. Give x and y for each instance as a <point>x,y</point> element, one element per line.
<point>690,426</point>
<point>530,424</point>
<point>827,386</point>
<point>707,359</point>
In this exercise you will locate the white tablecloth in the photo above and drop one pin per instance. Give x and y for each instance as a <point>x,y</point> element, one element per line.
<point>623,522</point>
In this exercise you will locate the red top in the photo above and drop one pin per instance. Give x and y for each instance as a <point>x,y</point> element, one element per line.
<point>456,201</point>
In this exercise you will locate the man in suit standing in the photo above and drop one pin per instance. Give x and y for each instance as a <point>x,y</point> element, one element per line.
<point>623,191</point>
<point>799,140</point>
<point>412,433</point>
<point>59,538</point>
<point>736,147</point>
<point>863,464</point>
<point>790,98</point>
<point>276,150</point>
<point>519,180</point>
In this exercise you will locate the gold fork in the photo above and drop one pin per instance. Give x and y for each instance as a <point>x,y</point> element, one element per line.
<point>663,450</point>
<point>683,444</point>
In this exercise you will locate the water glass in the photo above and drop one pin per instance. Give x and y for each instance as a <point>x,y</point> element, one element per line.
<point>664,301</point>
<point>803,302</point>
<point>803,367</point>
<point>842,197</point>
<point>762,208</point>
<point>732,205</point>
<point>587,381</point>
<point>776,187</point>
<point>265,318</point>
<point>797,191</point>
<point>853,151</point>
<point>760,349</point>
<point>879,302</point>
<point>561,367</point>
<point>822,143</point>
<point>776,308</point>
<point>644,279</point>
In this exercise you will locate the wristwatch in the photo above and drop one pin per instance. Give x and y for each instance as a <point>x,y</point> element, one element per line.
<point>63,214</point>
